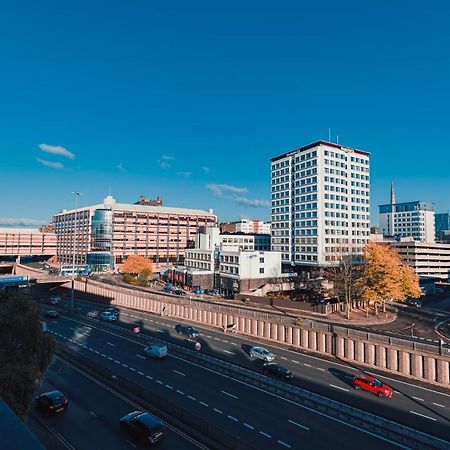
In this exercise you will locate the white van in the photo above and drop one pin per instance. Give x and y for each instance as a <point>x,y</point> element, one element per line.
<point>156,351</point>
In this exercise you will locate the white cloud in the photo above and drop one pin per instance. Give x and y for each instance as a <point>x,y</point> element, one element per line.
<point>185,174</point>
<point>121,168</point>
<point>167,157</point>
<point>253,203</point>
<point>14,221</point>
<point>206,170</point>
<point>51,164</point>
<point>56,150</point>
<point>164,165</point>
<point>219,189</point>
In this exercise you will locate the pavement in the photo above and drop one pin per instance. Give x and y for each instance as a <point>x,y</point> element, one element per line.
<point>243,410</point>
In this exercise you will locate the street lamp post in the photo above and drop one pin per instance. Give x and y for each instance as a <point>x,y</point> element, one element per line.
<point>77,194</point>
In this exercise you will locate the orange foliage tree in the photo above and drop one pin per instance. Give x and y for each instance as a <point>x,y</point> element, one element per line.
<point>137,265</point>
<point>384,276</point>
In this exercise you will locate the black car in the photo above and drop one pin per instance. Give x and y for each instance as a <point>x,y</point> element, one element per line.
<point>52,402</point>
<point>278,371</point>
<point>144,427</point>
<point>186,330</point>
<point>178,292</point>
<point>115,311</point>
<point>51,314</point>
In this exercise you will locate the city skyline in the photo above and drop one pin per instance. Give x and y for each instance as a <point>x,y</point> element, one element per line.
<point>193,109</point>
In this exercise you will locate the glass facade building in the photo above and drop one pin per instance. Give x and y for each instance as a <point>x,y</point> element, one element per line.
<point>100,259</point>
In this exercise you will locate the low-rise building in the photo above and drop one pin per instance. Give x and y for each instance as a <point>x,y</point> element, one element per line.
<point>245,241</point>
<point>27,242</point>
<point>246,226</point>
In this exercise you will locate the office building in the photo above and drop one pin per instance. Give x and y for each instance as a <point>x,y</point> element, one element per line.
<point>107,233</point>
<point>410,219</point>
<point>320,203</point>
<point>442,227</point>
<point>247,226</point>
<point>27,242</point>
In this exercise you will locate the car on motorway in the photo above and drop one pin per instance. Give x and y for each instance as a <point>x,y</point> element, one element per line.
<point>277,371</point>
<point>54,300</point>
<point>186,330</point>
<point>52,402</point>
<point>51,314</point>
<point>415,302</point>
<point>371,384</point>
<point>157,351</point>
<point>115,311</point>
<point>261,353</point>
<point>144,427</point>
<point>108,316</point>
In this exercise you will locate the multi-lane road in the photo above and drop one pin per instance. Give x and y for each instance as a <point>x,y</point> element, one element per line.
<point>255,416</point>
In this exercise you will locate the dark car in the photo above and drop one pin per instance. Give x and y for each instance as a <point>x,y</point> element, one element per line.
<point>54,300</point>
<point>186,330</point>
<point>168,289</point>
<point>178,292</point>
<point>144,427</point>
<point>51,314</point>
<point>371,384</point>
<point>278,371</point>
<point>52,402</point>
<point>115,311</point>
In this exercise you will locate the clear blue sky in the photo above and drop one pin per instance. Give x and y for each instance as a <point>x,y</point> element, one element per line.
<point>170,97</point>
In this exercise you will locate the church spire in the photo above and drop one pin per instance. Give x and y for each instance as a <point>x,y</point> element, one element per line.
<point>392,193</point>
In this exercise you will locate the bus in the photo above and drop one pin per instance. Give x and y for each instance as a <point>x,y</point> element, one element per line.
<point>68,271</point>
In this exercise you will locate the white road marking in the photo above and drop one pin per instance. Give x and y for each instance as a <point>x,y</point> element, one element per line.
<point>265,434</point>
<point>111,359</point>
<point>298,425</point>
<point>140,356</point>
<point>233,418</point>
<point>192,398</point>
<point>248,426</point>
<point>159,382</point>
<point>229,395</point>
<point>92,414</point>
<point>180,392</point>
<point>160,331</point>
<point>307,365</point>
<point>118,362</point>
<point>111,344</point>
<point>133,369</point>
<point>320,368</point>
<point>294,361</point>
<point>217,411</point>
<point>96,351</point>
<point>284,444</point>
<point>230,353</point>
<point>149,377</point>
<point>282,357</point>
<point>124,365</point>
<point>418,398</point>
<point>141,373</point>
<point>178,372</point>
<point>204,404</point>
<point>169,387</point>
<point>338,387</point>
<point>438,404</point>
<point>422,415</point>
<point>233,343</point>
<point>131,443</point>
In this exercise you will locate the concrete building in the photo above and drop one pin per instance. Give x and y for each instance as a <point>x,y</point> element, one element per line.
<point>27,242</point>
<point>410,219</point>
<point>245,241</point>
<point>429,260</point>
<point>248,226</point>
<point>109,232</point>
<point>320,203</point>
<point>442,227</point>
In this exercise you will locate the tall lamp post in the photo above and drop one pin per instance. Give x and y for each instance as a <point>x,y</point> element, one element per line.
<point>77,194</point>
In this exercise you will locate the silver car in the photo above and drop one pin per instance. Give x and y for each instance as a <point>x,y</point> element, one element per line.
<point>261,353</point>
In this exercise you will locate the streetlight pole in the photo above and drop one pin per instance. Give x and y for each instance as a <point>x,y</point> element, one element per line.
<point>77,194</point>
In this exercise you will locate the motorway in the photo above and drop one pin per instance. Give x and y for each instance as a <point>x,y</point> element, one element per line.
<point>92,420</point>
<point>264,420</point>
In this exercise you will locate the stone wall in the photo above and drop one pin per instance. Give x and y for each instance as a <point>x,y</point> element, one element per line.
<point>415,360</point>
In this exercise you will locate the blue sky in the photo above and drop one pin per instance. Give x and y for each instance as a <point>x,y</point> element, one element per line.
<point>189,100</point>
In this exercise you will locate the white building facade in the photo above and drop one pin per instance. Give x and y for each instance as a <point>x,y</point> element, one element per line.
<point>320,203</point>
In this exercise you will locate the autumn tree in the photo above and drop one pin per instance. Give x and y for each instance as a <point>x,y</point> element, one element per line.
<point>137,266</point>
<point>384,276</point>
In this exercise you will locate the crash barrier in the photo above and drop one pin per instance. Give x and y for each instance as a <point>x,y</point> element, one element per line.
<point>319,404</point>
<point>213,437</point>
<point>410,358</point>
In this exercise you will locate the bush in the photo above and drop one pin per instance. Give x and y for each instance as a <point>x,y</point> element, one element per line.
<point>128,278</point>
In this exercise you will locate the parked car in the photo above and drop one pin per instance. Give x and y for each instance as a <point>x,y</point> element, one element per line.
<point>371,384</point>
<point>212,291</point>
<point>54,300</point>
<point>52,402</point>
<point>179,292</point>
<point>199,291</point>
<point>261,353</point>
<point>187,330</point>
<point>415,302</point>
<point>108,316</point>
<point>168,289</point>
<point>278,371</point>
<point>51,314</point>
<point>144,427</point>
<point>157,351</point>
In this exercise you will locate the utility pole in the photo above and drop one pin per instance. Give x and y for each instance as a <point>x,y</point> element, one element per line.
<point>77,194</point>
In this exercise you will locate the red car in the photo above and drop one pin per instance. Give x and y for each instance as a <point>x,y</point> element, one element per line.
<point>371,384</point>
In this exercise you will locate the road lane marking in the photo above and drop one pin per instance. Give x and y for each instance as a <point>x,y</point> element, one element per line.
<point>230,353</point>
<point>204,404</point>
<point>229,395</point>
<point>179,373</point>
<point>284,444</point>
<point>217,411</point>
<point>140,356</point>
<point>294,361</point>
<point>159,331</point>
<point>149,377</point>
<point>118,362</point>
<point>131,443</point>
<point>124,365</point>
<point>265,434</point>
<point>282,357</point>
<point>169,387</point>
<point>418,398</point>
<point>422,415</point>
<point>298,425</point>
<point>438,404</point>
<point>320,368</point>
<point>233,418</point>
<point>92,414</point>
<point>233,343</point>
<point>248,426</point>
<point>192,398</point>
<point>307,365</point>
<point>111,344</point>
<point>338,387</point>
<point>159,382</point>
<point>180,392</point>
<point>141,373</point>
<point>111,359</point>
<point>133,369</point>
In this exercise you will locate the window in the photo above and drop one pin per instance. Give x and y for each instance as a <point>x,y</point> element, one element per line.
<point>261,270</point>
<point>261,260</point>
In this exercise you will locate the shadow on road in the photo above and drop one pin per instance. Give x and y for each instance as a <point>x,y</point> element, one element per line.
<point>341,375</point>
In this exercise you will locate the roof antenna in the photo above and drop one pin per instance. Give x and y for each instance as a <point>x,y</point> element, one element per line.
<point>337,139</point>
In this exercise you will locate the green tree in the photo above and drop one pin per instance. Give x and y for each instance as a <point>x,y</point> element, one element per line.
<point>25,350</point>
